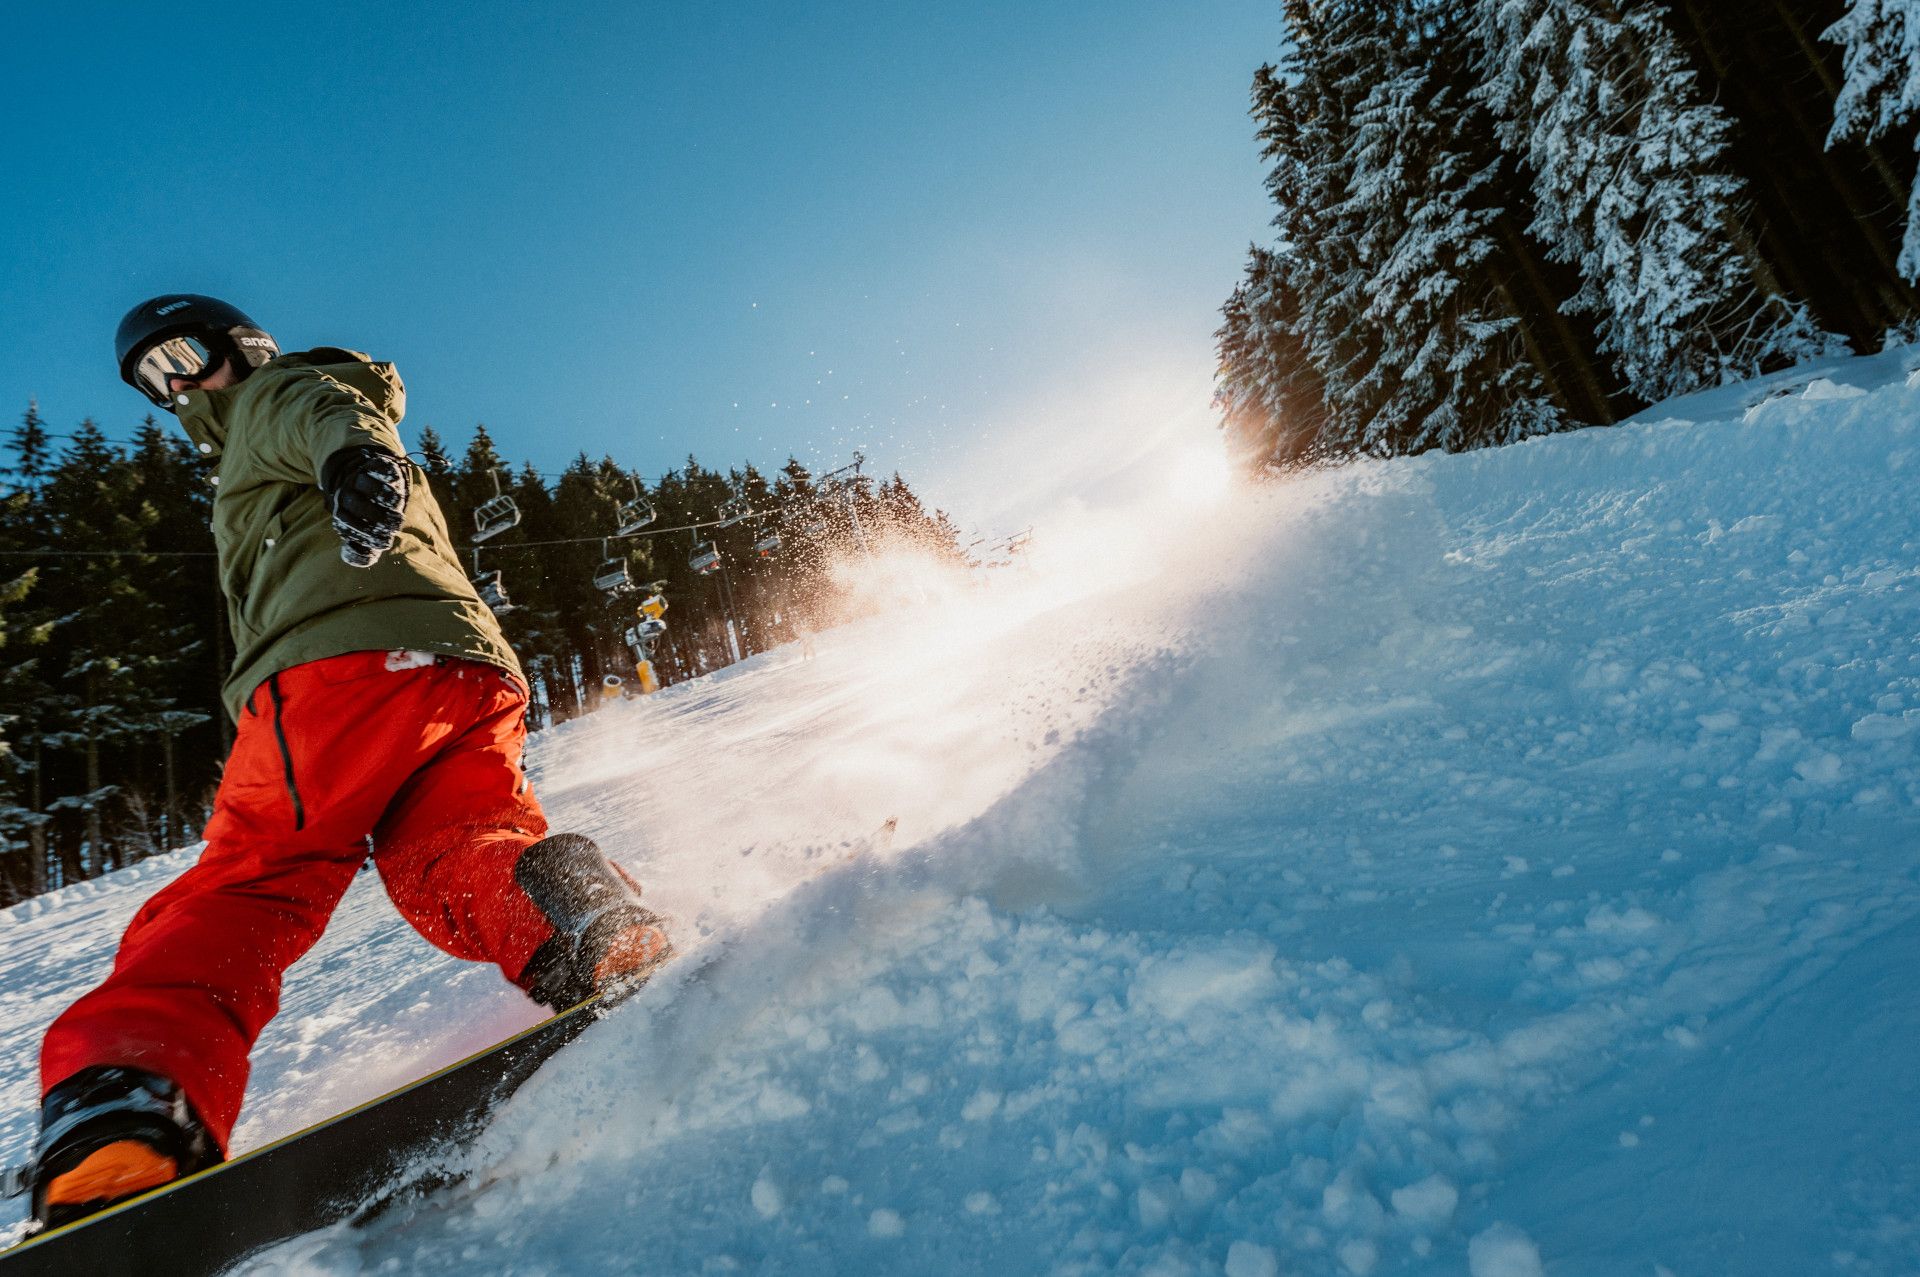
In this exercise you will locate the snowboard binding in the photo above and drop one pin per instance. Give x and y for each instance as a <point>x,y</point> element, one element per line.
<point>604,941</point>
<point>111,1133</point>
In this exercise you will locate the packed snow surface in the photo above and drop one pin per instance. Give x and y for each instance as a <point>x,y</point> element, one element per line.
<point>1499,864</point>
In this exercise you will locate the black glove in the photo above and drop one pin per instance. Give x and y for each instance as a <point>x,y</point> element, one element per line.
<point>366,490</point>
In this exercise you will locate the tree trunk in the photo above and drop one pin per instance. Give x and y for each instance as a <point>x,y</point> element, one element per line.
<point>37,833</point>
<point>1826,221</point>
<point>171,813</point>
<point>1830,85</point>
<point>1584,398</point>
<point>94,858</point>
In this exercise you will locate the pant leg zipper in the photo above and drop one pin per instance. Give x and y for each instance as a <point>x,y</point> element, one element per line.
<point>286,754</point>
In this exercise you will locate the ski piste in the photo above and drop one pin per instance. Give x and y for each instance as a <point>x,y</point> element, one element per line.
<point>346,1167</point>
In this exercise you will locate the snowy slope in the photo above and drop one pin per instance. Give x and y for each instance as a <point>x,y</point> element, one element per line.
<point>1499,863</point>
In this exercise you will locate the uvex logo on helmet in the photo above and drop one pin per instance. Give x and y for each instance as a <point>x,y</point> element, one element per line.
<point>170,307</point>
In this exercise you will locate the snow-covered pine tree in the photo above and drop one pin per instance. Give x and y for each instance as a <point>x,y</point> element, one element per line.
<point>176,676</point>
<point>1271,399</point>
<point>23,859</point>
<point>1454,369</point>
<point>1632,186</point>
<point>1385,178</point>
<point>438,465</point>
<point>103,606</point>
<point>26,701</point>
<point>1302,106</point>
<point>1881,90</point>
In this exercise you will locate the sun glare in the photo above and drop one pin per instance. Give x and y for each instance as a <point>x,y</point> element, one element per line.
<point>1200,476</point>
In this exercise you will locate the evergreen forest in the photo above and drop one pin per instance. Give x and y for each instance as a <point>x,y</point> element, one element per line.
<point>113,630</point>
<point>1499,218</point>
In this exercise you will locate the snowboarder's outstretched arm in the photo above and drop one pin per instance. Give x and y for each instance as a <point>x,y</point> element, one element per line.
<point>366,490</point>
<point>332,435</point>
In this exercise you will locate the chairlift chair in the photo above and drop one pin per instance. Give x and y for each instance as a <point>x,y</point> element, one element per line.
<point>767,545</point>
<point>487,585</point>
<point>496,514</point>
<point>704,559</point>
<point>611,575</point>
<point>634,515</point>
<point>733,510</point>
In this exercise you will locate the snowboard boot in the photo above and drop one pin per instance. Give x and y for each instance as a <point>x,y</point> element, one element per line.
<point>603,939</point>
<point>108,1134</point>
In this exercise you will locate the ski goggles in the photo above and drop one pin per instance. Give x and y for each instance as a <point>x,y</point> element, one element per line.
<point>187,357</point>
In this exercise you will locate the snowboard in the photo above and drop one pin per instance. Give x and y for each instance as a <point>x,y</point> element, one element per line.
<point>348,1167</point>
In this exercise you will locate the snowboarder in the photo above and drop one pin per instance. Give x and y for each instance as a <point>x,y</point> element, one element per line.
<point>380,712</point>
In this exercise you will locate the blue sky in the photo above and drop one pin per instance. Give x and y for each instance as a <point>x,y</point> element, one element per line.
<point>742,231</point>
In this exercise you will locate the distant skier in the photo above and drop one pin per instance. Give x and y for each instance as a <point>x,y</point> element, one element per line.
<point>380,712</point>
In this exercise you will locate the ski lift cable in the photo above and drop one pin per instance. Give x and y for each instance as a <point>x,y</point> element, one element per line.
<point>208,554</point>
<point>631,536</point>
<point>106,554</point>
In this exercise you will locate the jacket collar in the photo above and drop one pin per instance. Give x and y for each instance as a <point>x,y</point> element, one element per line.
<point>203,415</point>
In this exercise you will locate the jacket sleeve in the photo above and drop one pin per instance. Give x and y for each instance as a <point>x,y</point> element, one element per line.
<point>310,417</point>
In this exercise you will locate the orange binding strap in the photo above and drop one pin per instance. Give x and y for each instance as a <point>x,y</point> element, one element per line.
<point>124,1168</point>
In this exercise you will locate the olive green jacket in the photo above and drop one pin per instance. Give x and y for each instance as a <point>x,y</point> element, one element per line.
<point>289,597</point>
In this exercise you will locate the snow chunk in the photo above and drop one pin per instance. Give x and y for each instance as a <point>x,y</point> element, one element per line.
<point>1606,920</point>
<point>1504,1251</point>
<point>1429,1203</point>
<point>983,1105</point>
<point>982,1203</point>
<point>1825,388</point>
<point>1248,1259</point>
<point>887,1223</point>
<point>1197,1186</point>
<point>1876,727</point>
<point>1360,1256</point>
<point>1819,769</point>
<point>1153,1202</point>
<point>875,1009</point>
<point>777,1103</point>
<point>1174,986</point>
<point>767,1197</point>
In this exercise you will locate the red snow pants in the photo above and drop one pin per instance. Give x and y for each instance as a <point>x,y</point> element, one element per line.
<point>421,763</point>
